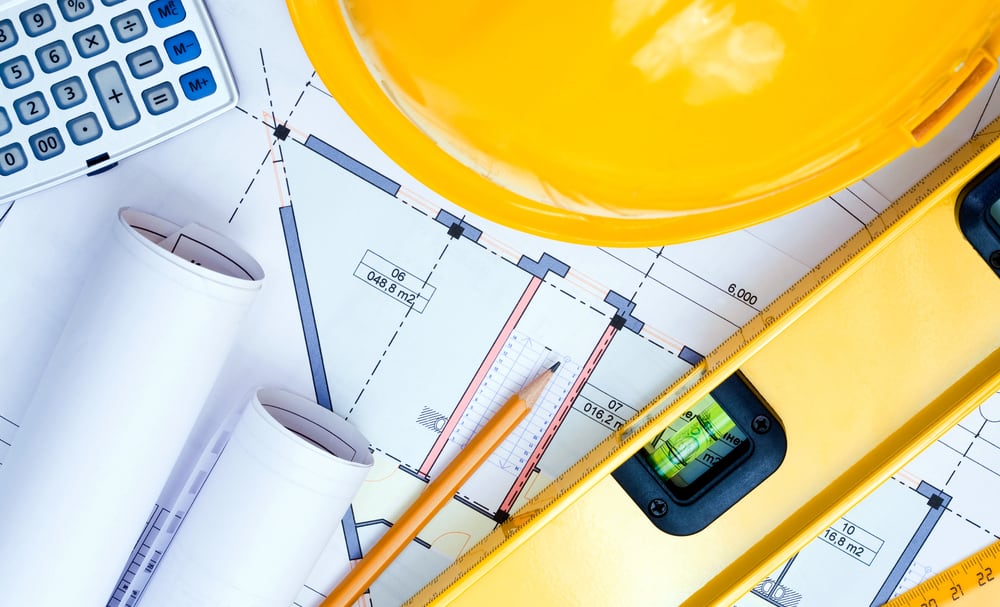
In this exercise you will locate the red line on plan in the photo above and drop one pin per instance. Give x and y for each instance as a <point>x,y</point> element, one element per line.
<point>557,419</point>
<point>477,380</point>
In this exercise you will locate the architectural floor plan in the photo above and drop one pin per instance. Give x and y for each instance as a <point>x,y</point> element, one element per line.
<point>414,320</point>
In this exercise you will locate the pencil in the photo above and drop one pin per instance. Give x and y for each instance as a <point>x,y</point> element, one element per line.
<point>438,492</point>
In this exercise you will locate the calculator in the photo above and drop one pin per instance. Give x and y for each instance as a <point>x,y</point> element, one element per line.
<point>85,83</point>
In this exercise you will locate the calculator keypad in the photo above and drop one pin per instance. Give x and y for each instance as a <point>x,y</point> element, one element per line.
<point>99,80</point>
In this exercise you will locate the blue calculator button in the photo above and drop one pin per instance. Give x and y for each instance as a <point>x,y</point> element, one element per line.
<point>69,93</point>
<point>167,12</point>
<point>111,2</point>
<point>12,159</point>
<point>5,124</point>
<point>38,20</point>
<point>53,57</point>
<point>129,26</point>
<point>31,108</point>
<point>47,144</point>
<point>16,72</point>
<point>91,41</point>
<point>8,35</point>
<point>198,84</point>
<point>182,47</point>
<point>84,129</point>
<point>75,9</point>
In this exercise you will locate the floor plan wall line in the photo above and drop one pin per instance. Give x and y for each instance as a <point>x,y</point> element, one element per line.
<point>470,391</point>
<point>937,502</point>
<point>309,330</point>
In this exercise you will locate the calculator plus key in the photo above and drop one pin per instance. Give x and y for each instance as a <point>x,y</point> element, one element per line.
<point>116,100</point>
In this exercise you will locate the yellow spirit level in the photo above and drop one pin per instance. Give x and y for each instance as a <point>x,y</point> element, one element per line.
<point>884,346</point>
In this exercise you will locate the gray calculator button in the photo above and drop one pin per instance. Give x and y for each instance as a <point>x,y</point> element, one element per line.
<point>12,159</point>
<point>129,26</point>
<point>69,93</point>
<point>84,129</point>
<point>53,57</point>
<point>91,41</point>
<point>31,108</point>
<point>116,99</point>
<point>160,98</point>
<point>47,144</point>
<point>144,62</point>
<point>8,35</point>
<point>5,124</point>
<point>75,9</point>
<point>16,72</point>
<point>38,20</point>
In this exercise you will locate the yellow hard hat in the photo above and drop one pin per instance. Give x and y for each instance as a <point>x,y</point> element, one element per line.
<point>638,122</point>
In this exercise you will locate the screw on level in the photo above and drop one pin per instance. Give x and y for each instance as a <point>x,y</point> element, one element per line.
<point>761,424</point>
<point>657,507</point>
<point>995,259</point>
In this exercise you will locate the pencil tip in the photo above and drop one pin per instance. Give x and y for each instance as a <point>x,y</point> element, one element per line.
<point>555,366</point>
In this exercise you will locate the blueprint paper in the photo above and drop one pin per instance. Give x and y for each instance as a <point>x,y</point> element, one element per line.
<point>322,207</point>
<point>122,389</point>
<point>268,508</point>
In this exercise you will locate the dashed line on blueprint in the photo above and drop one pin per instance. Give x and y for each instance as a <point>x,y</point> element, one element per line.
<point>395,333</point>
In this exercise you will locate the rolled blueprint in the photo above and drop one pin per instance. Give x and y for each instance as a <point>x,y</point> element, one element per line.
<point>268,509</point>
<point>126,380</point>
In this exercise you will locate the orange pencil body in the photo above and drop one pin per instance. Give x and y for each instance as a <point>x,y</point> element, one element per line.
<point>438,492</point>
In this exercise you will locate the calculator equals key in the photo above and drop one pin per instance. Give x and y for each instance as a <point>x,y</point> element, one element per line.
<point>93,82</point>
